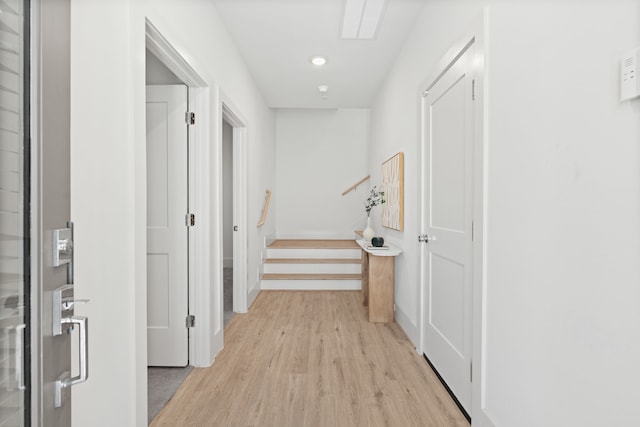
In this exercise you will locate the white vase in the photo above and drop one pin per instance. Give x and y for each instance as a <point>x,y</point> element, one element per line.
<point>368,232</point>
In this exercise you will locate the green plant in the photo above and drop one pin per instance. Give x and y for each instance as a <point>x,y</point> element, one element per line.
<point>375,198</point>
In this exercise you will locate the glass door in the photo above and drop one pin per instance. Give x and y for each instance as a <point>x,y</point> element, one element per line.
<point>14,214</point>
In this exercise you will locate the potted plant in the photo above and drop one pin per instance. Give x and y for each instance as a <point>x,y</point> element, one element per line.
<point>375,198</point>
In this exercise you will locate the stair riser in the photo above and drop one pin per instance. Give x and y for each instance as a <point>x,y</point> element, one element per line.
<point>314,253</point>
<point>312,268</point>
<point>311,285</point>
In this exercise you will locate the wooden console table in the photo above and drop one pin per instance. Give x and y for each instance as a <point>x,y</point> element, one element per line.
<point>377,281</point>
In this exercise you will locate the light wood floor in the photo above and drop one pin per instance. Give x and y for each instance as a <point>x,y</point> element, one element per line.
<point>312,359</point>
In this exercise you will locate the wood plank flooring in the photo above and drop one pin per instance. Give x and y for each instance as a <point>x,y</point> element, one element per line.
<point>311,359</point>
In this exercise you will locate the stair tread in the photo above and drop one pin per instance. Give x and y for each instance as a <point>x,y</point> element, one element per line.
<point>278,276</point>
<point>313,244</point>
<point>313,261</point>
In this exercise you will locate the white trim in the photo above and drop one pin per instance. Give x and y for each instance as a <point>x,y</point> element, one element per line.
<point>160,47</point>
<point>481,193</point>
<point>404,321</point>
<point>201,350</point>
<point>477,38</point>
<point>200,353</point>
<point>253,294</point>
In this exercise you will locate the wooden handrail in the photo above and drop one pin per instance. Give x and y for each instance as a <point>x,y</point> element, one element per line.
<point>265,209</point>
<point>354,186</point>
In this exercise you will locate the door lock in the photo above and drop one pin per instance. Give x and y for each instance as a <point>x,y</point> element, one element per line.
<point>423,238</point>
<point>62,246</point>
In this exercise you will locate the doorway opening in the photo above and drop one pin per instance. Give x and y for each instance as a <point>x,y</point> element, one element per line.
<point>205,241</point>
<point>167,264</point>
<point>234,138</point>
<point>227,220</point>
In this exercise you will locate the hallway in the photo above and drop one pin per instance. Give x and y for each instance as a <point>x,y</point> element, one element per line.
<point>311,359</point>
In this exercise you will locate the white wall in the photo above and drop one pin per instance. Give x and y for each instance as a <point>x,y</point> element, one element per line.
<point>227,193</point>
<point>157,73</point>
<point>108,181</point>
<point>320,153</point>
<point>563,207</point>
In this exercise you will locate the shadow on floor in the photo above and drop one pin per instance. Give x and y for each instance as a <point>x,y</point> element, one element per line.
<point>162,385</point>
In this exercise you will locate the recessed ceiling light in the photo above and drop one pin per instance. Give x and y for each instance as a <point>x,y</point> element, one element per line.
<point>318,60</point>
<point>323,88</point>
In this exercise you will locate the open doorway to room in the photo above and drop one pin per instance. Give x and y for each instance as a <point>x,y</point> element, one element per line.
<point>228,224</point>
<point>167,168</point>
<point>234,183</point>
<point>207,108</point>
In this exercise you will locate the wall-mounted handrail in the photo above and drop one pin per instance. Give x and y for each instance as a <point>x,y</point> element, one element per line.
<point>356,185</point>
<point>265,209</point>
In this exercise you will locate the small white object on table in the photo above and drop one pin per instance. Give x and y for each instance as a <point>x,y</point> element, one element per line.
<point>386,250</point>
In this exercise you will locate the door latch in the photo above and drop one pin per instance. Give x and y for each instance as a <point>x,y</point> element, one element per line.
<point>423,238</point>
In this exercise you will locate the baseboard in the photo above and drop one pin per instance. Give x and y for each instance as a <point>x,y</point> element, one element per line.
<point>269,240</point>
<point>253,294</point>
<point>407,326</point>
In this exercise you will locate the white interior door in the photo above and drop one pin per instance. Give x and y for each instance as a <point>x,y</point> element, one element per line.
<point>167,232</point>
<point>447,221</point>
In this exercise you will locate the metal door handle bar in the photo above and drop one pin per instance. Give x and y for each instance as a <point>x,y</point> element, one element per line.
<point>82,323</point>
<point>65,381</point>
<point>20,356</point>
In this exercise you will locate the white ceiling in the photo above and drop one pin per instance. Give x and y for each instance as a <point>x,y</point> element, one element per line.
<point>277,38</point>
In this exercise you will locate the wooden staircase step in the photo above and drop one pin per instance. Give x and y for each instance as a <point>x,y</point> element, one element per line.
<point>313,261</point>
<point>273,276</point>
<point>313,244</point>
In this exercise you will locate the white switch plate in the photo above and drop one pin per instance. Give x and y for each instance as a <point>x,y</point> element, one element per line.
<point>629,79</point>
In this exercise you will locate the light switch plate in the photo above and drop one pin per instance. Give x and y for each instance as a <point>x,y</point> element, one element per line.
<point>629,82</point>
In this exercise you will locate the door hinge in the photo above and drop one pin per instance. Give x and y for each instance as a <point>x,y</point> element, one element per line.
<point>190,118</point>
<point>190,220</point>
<point>190,321</point>
<point>473,89</point>
<point>471,372</point>
<point>472,230</point>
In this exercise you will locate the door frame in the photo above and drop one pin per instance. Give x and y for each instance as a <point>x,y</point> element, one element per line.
<point>200,346</point>
<point>36,225</point>
<point>477,37</point>
<point>239,141</point>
